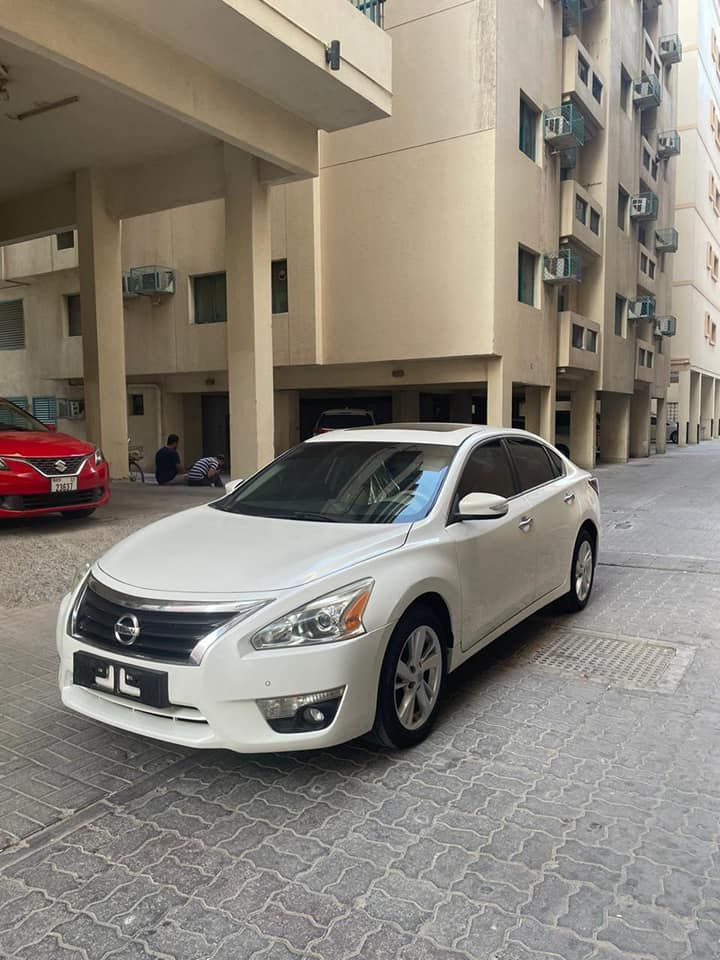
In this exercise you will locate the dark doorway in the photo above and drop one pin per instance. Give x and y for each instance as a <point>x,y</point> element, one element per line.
<point>216,426</point>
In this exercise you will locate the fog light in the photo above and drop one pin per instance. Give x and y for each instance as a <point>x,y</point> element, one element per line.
<point>303,711</point>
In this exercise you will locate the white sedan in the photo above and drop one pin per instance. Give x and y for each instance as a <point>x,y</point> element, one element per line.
<point>331,594</point>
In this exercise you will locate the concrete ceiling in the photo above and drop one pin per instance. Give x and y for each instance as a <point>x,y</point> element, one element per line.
<point>104,128</point>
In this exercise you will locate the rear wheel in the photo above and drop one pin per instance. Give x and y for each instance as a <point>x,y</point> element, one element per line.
<point>136,471</point>
<point>77,514</point>
<point>411,679</point>
<point>582,573</point>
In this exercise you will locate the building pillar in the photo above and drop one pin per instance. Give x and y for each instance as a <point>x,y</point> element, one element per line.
<point>640,423</point>
<point>583,425</point>
<point>661,425</point>
<point>287,420</point>
<point>683,406</point>
<point>406,406</point>
<point>461,404</point>
<point>499,390</point>
<point>103,333</point>
<point>707,406</point>
<point>694,419</point>
<point>614,427</point>
<point>249,314</point>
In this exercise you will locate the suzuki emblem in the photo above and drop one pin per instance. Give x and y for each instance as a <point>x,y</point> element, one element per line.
<point>127,629</point>
<point>60,466</point>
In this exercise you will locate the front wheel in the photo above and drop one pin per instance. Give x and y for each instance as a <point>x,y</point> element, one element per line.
<point>411,679</point>
<point>582,573</point>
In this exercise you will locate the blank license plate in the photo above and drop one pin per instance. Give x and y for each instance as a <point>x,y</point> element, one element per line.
<point>134,683</point>
<point>63,484</point>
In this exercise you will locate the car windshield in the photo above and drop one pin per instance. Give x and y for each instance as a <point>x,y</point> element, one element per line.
<point>13,418</point>
<point>340,421</point>
<point>346,482</point>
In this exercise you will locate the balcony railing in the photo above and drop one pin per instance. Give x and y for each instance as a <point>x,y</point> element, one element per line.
<point>644,206</point>
<point>642,308</point>
<point>669,144</point>
<point>373,9</point>
<point>665,326</point>
<point>670,49</point>
<point>647,92</point>
<point>564,127</point>
<point>666,240</point>
<point>565,266</point>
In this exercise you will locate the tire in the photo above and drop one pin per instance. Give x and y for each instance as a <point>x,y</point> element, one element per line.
<point>582,574</point>
<point>673,437</point>
<point>77,514</point>
<point>419,635</point>
<point>135,472</point>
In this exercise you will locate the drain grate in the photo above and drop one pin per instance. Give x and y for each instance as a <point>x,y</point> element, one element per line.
<point>634,664</point>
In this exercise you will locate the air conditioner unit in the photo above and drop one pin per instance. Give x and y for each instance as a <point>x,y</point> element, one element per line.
<point>640,206</point>
<point>153,281</point>
<point>70,409</point>
<point>665,326</point>
<point>556,127</point>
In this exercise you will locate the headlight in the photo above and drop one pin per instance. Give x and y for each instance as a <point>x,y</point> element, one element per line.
<point>336,616</point>
<point>98,457</point>
<point>80,576</point>
<point>3,465</point>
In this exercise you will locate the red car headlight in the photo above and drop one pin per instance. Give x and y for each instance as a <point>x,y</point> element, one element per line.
<point>98,457</point>
<point>3,465</point>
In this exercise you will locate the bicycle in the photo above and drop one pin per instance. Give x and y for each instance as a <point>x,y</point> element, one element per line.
<point>135,457</point>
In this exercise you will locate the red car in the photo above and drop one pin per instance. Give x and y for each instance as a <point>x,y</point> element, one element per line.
<point>42,471</point>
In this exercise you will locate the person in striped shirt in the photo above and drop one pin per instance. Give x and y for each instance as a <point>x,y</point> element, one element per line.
<point>206,471</point>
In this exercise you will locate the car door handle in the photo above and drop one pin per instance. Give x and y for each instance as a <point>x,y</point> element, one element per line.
<point>569,498</point>
<point>526,523</point>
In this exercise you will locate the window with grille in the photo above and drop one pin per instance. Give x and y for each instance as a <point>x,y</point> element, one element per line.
<point>279,286</point>
<point>12,325</point>
<point>44,409</point>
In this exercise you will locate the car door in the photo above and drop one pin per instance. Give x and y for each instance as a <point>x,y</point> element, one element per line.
<point>552,507</point>
<point>496,564</point>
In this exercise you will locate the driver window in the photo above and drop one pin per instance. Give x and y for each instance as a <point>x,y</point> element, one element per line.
<point>488,471</point>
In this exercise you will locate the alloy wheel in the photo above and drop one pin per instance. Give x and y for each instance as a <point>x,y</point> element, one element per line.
<point>418,677</point>
<point>583,571</point>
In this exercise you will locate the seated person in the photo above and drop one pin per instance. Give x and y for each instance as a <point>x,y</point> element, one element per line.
<point>168,468</point>
<point>206,472</point>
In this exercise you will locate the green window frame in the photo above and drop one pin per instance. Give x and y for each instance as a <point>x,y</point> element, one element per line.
<point>527,272</point>
<point>527,138</point>
<point>279,286</point>
<point>210,298</point>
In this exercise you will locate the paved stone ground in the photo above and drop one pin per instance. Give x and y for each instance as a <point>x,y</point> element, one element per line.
<point>550,815</point>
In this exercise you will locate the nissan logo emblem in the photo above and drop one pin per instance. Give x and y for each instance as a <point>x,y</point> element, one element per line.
<point>127,629</point>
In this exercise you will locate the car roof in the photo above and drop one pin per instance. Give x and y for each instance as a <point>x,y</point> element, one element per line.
<point>445,434</point>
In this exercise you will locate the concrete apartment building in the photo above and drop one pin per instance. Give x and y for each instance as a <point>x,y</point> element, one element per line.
<point>498,250</point>
<point>695,374</point>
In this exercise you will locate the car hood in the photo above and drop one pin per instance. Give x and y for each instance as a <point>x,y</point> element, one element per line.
<point>209,551</point>
<point>24,443</point>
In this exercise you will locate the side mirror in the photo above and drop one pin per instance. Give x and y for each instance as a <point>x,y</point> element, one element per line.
<point>482,506</point>
<point>232,485</point>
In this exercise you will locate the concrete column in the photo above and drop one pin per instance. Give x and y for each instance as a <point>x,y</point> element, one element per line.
<point>461,407</point>
<point>249,314</point>
<point>406,406</point>
<point>661,426</point>
<point>287,420</point>
<point>499,389</point>
<point>103,333</point>
<point>582,425</point>
<point>707,406</point>
<point>683,406</point>
<point>614,427</point>
<point>694,428</point>
<point>640,423</point>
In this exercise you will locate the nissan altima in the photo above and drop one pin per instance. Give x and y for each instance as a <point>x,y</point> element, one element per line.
<point>329,595</point>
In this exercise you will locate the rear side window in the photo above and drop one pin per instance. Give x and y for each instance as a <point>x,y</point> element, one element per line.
<point>487,471</point>
<point>532,463</point>
<point>555,462</point>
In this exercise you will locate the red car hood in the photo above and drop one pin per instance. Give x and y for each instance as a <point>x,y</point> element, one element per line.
<point>22,443</point>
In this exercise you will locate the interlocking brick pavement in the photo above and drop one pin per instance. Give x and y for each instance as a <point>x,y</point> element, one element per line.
<point>549,815</point>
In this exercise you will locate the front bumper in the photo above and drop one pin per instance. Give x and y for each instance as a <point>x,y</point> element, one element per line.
<point>214,704</point>
<point>26,493</point>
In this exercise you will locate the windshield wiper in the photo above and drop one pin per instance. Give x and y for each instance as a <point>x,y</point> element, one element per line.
<point>308,515</point>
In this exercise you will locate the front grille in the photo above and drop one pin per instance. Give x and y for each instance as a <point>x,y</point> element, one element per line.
<point>165,636</point>
<point>48,465</point>
<point>52,501</point>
